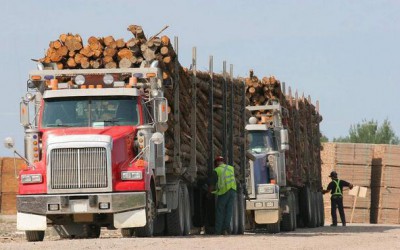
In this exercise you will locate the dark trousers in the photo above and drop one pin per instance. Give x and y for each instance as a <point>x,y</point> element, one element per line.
<point>224,210</point>
<point>337,202</point>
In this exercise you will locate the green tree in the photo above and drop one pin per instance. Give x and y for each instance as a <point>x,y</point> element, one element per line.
<point>323,138</point>
<point>371,132</point>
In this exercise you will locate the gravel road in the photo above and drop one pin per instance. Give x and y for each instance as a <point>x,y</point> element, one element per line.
<point>354,236</point>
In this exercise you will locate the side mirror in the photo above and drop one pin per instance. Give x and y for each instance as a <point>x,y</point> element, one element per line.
<point>160,110</point>
<point>24,113</point>
<point>284,139</point>
<point>9,143</point>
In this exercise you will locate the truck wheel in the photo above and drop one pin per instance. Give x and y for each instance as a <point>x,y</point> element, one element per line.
<point>127,232</point>
<point>241,212</point>
<point>188,214</point>
<point>34,235</point>
<point>92,231</point>
<point>294,214</point>
<point>322,209</point>
<point>309,217</point>
<point>176,219</point>
<point>273,228</point>
<point>312,222</point>
<point>235,215</point>
<point>148,229</point>
<point>288,220</point>
<point>317,209</point>
<point>159,225</point>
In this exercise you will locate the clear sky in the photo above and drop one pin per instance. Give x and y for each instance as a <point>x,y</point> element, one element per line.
<point>346,54</point>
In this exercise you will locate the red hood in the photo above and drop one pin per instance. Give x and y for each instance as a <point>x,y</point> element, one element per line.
<point>115,132</point>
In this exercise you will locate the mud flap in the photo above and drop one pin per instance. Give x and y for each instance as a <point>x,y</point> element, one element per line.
<point>266,216</point>
<point>31,222</point>
<point>135,218</point>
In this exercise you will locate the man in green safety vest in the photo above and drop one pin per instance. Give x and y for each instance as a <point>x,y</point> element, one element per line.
<point>223,184</point>
<point>336,189</point>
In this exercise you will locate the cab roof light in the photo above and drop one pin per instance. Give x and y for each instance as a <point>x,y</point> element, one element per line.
<point>79,79</point>
<point>36,78</point>
<point>108,79</point>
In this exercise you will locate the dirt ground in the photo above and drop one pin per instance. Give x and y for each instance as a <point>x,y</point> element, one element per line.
<point>354,236</point>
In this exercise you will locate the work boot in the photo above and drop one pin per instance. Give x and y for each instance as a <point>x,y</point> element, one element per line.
<point>333,225</point>
<point>344,224</point>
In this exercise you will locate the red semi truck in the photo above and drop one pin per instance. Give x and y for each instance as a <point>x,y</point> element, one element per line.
<point>95,154</point>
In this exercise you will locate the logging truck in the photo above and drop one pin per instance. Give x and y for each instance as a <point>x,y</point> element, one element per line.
<point>283,182</point>
<point>124,148</point>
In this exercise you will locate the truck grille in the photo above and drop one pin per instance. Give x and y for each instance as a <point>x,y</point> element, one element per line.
<point>73,168</point>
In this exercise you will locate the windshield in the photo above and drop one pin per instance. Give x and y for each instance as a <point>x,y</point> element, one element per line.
<point>262,141</point>
<point>90,112</point>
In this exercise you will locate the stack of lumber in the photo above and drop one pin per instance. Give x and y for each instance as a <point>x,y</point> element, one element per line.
<point>302,120</point>
<point>376,167</point>
<point>352,162</point>
<point>386,208</point>
<point>9,184</point>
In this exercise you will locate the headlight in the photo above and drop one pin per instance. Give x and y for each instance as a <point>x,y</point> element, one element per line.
<point>271,159</point>
<point>131,175</point>
<point>31,178</point>
<point>266,189</point>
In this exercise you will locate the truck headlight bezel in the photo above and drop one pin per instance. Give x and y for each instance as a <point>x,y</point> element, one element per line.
<point>265,189</point>
<point>131,175</point>
<point>31,178</point>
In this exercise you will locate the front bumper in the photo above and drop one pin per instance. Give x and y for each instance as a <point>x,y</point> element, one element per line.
<point>82,203</point>
<point>262,204</point>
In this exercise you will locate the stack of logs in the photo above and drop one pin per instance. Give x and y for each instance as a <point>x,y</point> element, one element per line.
<point>300,117</point>
<point>69,52</point>
<point>202,81</point>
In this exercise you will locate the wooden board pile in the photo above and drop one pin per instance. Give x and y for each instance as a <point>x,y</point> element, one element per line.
<point>302,120</point>
<point>70,52</point>
<point>376,167</point>
<point>386,208</point>
<point>9,184</point>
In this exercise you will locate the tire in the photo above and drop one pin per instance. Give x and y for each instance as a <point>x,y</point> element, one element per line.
<point>310,208</point>
<point>188,214</point>
<point>313,220</point>
<point>294,214</point>
<point>176,219</point>
<point>235,217</point>
<point>159,225</point>
<point>273,228</point>
<point>288,220</point>
<point>322,209</point>
<point>317,209</point>
<point>34,235</point>
<point>241,211</point>
<point>78,231</point>
<point>127,232</point>
<point>92,231</point>
<point>148,229</point>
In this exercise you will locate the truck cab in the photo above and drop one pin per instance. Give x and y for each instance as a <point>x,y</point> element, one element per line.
<point>94,150</point>
<point>266,183</point>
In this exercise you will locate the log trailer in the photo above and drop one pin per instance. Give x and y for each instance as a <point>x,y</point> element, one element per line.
<point>96,150</point>
<point>283,182</point>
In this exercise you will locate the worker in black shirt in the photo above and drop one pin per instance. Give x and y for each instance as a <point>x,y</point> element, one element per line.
<point>336,189</point>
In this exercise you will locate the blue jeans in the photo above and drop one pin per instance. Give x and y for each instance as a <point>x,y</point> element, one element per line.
<point>224,211</point>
